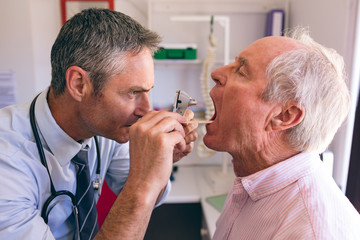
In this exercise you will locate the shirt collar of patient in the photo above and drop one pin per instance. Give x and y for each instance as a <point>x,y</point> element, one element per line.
<point>270,180</point>
<point>61,145</point>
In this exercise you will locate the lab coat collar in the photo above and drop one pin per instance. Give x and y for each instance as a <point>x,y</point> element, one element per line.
<point>60,144</point>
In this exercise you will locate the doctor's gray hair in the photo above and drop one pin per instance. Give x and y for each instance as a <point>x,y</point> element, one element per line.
<point>314,77</point>
<point>98,41</point>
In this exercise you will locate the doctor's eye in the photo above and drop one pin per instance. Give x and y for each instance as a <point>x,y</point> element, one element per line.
<point>133,93</point>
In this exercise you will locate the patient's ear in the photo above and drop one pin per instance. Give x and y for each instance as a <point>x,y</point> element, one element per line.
<point>287,116</point>
<point>77,82</point>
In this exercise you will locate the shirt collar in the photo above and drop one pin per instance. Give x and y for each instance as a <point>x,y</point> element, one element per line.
<point>60,144</point>
<point>280,175</point>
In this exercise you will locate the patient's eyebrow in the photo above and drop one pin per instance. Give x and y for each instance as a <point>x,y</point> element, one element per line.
<point>242,61</point>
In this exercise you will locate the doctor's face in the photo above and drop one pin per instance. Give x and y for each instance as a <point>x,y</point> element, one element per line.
<point>241,116</point>
<point>123,100</point>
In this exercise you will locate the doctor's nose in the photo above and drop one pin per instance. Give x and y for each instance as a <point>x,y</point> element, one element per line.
<point>143,106</point>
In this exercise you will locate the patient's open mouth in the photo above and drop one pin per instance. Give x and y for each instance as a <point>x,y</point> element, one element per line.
<point>214,116</point>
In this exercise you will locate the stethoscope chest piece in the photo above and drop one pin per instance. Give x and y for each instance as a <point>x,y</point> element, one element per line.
<point>97,184</point>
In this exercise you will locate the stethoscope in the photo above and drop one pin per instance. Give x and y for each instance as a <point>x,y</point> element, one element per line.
<point>54,193</point>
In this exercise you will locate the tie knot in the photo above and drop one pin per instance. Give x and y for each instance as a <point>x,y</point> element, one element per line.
<point>81,158</point>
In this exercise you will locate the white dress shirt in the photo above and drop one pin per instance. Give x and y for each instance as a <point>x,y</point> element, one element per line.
<point>25,181</point>
<point>294,199</point>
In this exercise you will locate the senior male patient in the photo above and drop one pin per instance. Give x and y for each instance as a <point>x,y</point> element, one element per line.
<point>102,72</point>
<point>277,107</point>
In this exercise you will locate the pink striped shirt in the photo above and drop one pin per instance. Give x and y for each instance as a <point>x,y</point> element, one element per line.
<point>294,199</point>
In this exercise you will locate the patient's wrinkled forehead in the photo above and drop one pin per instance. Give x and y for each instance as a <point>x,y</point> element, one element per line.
<point>271,47</point>
<point>260,53</point>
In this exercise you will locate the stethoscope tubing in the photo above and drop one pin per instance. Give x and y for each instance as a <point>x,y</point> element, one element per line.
<point>54,193</point>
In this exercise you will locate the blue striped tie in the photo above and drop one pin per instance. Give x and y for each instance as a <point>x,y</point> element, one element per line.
<point>88,222</point>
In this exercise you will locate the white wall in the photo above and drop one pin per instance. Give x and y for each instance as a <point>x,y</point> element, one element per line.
<point>16,52</point>
<point>332,23</point>
<point>135,8</point>
<point>45,26</point>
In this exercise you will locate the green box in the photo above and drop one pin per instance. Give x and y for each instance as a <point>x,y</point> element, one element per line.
<point>188,53</point>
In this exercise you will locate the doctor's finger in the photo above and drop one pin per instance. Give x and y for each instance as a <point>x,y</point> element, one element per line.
<point>176,140</point>
<point>190,127</point>
<point>191,137</point>
<point>188,115</point>
<point>188,149</point>
<point>169,124</point>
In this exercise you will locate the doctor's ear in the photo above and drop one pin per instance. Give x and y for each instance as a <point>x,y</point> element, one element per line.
<point>77,82</point>
<point>287,116</point>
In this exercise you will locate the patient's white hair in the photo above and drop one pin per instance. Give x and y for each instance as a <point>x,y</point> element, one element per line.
<point>314,77</point>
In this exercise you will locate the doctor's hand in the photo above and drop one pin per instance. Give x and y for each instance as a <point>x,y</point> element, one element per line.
<point>190,137</point>
<point>152,142</point>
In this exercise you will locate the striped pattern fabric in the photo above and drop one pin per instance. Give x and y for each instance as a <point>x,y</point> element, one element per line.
<point>88,222</point>
<point>294,199</point>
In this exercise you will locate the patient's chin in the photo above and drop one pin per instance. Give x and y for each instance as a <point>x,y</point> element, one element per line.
<point>209,142</point>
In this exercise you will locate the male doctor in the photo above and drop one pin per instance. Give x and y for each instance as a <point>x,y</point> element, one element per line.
<point>102,72</point>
